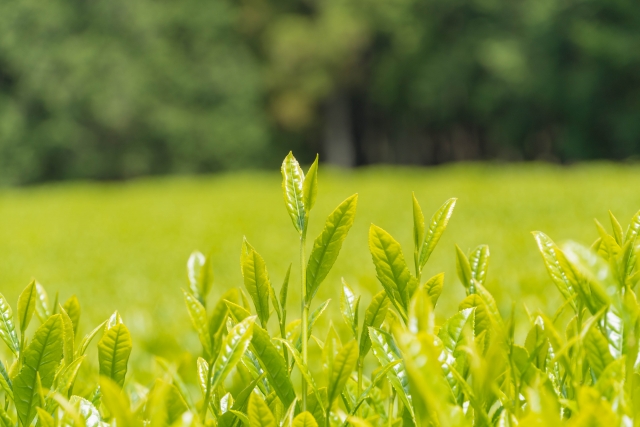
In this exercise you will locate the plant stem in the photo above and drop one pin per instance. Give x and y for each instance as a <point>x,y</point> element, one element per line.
<point>360,363</point>
<point>304,316</point>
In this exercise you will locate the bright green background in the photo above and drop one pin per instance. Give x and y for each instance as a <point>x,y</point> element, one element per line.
<point>125,245</point>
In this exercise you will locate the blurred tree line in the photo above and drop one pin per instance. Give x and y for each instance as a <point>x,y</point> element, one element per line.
<point>111,89</point>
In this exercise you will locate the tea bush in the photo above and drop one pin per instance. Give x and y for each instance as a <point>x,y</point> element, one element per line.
<point>400,366</point>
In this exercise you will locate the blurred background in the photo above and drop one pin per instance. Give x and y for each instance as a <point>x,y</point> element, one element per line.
<point>113,89</point>
<point>526,94</point>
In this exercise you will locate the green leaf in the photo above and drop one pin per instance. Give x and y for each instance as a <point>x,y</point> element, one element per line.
<point>451,332</point>
<point>373,317</point>
<point>391,268</point>
<point>5,419</point>
<point>434,287</point>
<point>463,268</point>
<point>27,305</point>
<point>550,255</point>
<point>597,351</point>
<point>349,304</point>
<point>482,318</point>
<point>343,366</point>
<point>256,280</point>
<point>284,290</point>
<point>41,358</point>
<point>310,186</point>
<point>68,350</point>
<point>72,307</point>
<point>259,413</point>
<point>238,313</point>
<point>114,349</point>
<point>437,224</point>
<point>292,183</point>
<point>198,316</point>
<point>200,275</point>
<point>304,419</point>
<point>327,245</point>
<point>65,379</point>
<point>273,364</point>
<point>479,263</point>
<point>233,347</point>
<point>387,353</point>
<point>5,381</point>
<point>7,327</point>
<point>86,340</point>
<point>418,232</point>
<point>42,303</point>
<point>313,318</point>
<point>634,228</point>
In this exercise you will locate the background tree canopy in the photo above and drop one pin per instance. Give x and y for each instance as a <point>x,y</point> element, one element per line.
<point>109,89</point>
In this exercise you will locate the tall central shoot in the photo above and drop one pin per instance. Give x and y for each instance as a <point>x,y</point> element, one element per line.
<point>300,194</point>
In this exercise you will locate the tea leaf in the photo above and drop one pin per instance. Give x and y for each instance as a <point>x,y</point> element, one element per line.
<point>327,245</point>
<point>391,268</point>
<point>387,353</point>
<point>597,351</point>
<point>463,268</point>
<point>434,287</point>
<point>437,225</point>
<point>634,228</point>
<point>451,332</point>
<point>41,358</point>
<point>479,263</point>
<point>44,418</point>
<point>373,317</point>
<point>72,307</point>
<point>200,275</point>
<point>68,337</point>
<point>233,347</point>
<point>117,404</point>
<point>303,368</point>
<point>304,419</point>
<point>199,320</point>
<point>259,413</point>
<point>7,327</point>
<point>88,338</point>
<point>349,307</point>
<point>418,232</point>
<point>114,350</point>
<point>310,186</point>
<point>549,252</point>
<point>274,365</point>
<point>42,303</point>
<point>27,305</point>
<point>292,182</point>
<point>256,280</point>
<point>343,365</point>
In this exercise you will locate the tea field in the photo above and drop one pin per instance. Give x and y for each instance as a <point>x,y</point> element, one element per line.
<point>125,245</point>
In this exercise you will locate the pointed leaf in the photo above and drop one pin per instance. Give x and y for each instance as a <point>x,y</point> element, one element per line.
<point>434,287</point>
<point>327,245</point>
<point>343,366</point>
<point>463,268</point>
<point>479,263</point>
<point>199,320</point>
<point>451,333</point>
<point>7,327</point>
<point>256,280</point>
<point>373,317</point>
<point>292,182</point>
<point>27,305</point>
<point>41,358</point>
<point>391,268</point>
<point>597,351</point>
<point>387,352</point>
<point>310,186</point>
<point>549,252</point>
<point>72,307</point>
<point>437,225</point>
<point>634,228</point>
<point>259,413</point>
<point>68,337</point>
<point>114,350</point>
<point>233,347</point>
<point>86,340</point>
<point>274,365</point>
<point>349,307</point>
<point>304,369</point>
<point>42,303</point>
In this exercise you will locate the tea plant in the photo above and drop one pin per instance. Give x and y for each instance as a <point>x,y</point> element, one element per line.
<point>468,370</point>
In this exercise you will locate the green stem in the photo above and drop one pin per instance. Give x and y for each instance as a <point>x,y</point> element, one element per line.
<point>360,363</point>
<point>392,400</point>
<point>207,395</point>
<point>305,317</point>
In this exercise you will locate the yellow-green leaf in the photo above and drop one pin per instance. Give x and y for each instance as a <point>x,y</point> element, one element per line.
<point>327,245</point>
<point>233,347</point>
<point>292,183</point>
<point>373,317</point>
<point>42,303</point>
<point>72,307</point>
<point>463,268</point>
<point>349,305</point>
<point>27,305</point>
<point>7,326</point>
<point>437,225</point>
<point>304,419</point>
<point>310,186</point>
<point>274,365</point>
<point>256,280</point>
<point>343,366</point>
<point>41,359</point>
<point>199,320</point>
<point>479,263</point>
<point>259,413</point>
<point>433,287</point>
<point>114,350</point>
